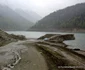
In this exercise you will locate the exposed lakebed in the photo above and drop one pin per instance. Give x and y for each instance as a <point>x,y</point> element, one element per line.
<point>79,42</point>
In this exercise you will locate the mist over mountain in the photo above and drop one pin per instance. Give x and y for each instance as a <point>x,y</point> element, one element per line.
<point>29,15</point>
<point>68,19</point>
<point>10,20</point>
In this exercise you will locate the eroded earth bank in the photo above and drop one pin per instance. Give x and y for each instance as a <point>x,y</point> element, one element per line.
<point>46,53</point>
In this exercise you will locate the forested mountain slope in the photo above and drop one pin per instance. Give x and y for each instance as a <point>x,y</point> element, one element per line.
<point>69,19</point>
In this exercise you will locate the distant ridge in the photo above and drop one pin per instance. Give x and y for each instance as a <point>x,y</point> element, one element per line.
<point>29,15</point>
<point>10,20</point>
<point>71,18</point>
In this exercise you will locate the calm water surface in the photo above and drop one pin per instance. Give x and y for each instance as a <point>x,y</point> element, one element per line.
<point>78,43</point>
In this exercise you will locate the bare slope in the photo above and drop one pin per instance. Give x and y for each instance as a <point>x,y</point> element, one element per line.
<point>30,58</point>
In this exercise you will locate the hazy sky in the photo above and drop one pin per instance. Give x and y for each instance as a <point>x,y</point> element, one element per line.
<point>42,7</point>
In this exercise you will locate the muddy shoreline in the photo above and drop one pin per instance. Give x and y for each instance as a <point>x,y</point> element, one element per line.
<point>59,61</point>
<point>52,57</point>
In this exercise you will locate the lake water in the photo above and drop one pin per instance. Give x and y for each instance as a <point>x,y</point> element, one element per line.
<point>78,43</point>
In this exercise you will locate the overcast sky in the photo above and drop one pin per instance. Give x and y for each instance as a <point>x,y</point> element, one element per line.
<point>42,7</point>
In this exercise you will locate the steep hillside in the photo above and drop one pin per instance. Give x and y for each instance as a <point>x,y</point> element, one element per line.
<point>10,20</point>
<point>69,19</point>
<point>29,15</point>
<point>6,38</point>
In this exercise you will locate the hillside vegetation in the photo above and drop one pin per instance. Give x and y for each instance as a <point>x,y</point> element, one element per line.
<point>69,19</point>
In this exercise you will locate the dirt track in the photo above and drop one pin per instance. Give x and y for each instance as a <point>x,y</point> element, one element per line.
<point>31,59</point>
<point>25,56</point>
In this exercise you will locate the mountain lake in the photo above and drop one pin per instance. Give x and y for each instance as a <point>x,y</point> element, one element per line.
<point>79,41</point>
